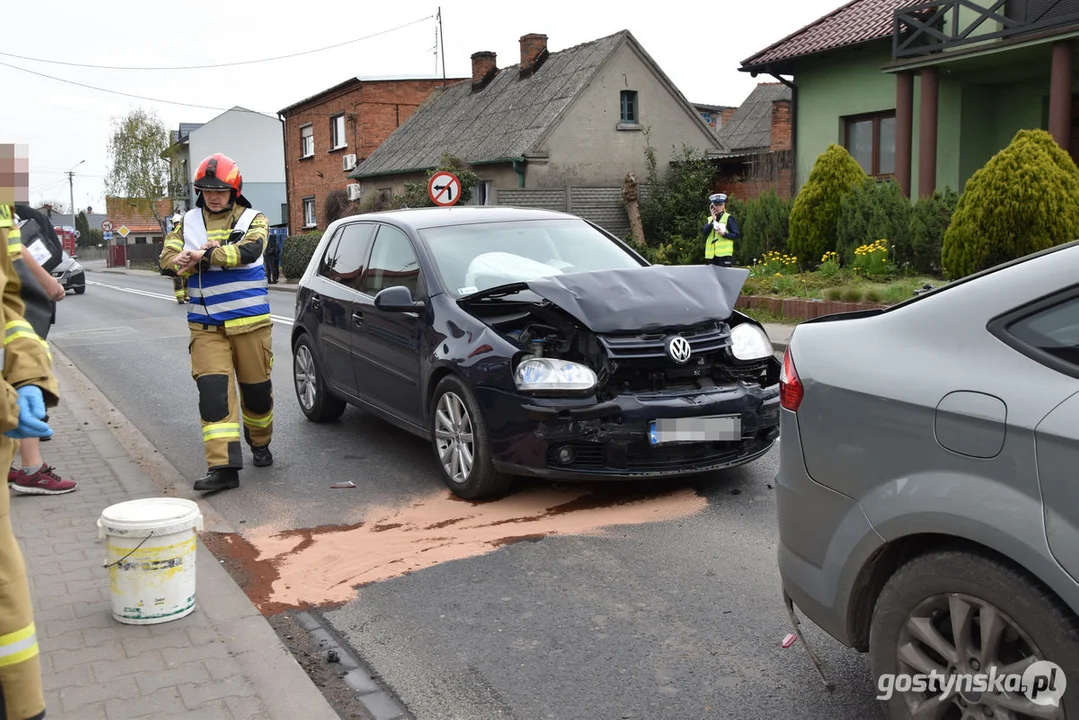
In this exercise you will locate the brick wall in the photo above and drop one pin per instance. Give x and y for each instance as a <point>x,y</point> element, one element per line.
<point>372,109</point>
<point>781,125</point>
<point>728,114</point>
<point>746,180</point>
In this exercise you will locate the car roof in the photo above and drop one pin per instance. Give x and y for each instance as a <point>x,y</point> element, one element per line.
<point>428,217</point>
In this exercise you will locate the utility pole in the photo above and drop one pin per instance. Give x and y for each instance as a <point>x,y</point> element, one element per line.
<point>71,190</point>
<point>442,45</point>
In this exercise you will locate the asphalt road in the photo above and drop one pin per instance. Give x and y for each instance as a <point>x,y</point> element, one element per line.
<point>562,601</point>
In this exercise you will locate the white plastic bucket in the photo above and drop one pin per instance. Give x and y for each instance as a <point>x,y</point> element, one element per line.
<point>150,553</point>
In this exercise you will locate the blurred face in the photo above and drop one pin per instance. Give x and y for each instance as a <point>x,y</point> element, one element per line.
<point>719,208</point>
<point>216,200</point>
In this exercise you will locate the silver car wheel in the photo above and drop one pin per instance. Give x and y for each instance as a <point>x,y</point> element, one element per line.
<point>454,437</point>
<point>305,377</point>
<point>958,634</point>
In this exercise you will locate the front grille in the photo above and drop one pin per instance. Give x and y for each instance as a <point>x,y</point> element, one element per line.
<point>642,456</point>
<point>654,345</point>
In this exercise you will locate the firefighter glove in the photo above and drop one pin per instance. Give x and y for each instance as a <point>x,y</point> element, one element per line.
<point>31,415</point>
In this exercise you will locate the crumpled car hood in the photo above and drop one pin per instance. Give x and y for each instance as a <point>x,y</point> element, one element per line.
<point>645,298</point>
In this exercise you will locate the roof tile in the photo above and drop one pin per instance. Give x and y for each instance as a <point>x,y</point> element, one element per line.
<point>856,22</point>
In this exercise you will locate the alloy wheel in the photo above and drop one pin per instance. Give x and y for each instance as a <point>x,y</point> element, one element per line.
<point>959,635</point>
<point>454,437</point>
<point>305,377</point>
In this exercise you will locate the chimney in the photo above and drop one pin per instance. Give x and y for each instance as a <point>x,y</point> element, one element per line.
<point>483,69</point>
<point>533,52</point>
<point>781,125</point>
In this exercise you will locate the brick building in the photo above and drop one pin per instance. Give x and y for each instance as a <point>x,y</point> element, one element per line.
<point>328,134</point>
<point>715,115</point>
<point>757,138</point>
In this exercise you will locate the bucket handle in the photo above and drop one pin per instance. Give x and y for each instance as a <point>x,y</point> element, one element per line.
<point>125,557</point>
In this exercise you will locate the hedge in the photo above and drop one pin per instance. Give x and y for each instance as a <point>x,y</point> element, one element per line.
<point>1024,199</point>
<point>297,254</point>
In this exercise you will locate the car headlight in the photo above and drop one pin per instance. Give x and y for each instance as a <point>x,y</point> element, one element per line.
<point>546,374</point>
<point>749,342</point>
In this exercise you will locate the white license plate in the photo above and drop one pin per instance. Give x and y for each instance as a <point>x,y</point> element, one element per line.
<point>719,428</point>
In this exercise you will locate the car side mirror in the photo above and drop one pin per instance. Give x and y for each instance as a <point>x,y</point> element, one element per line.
<point>397,299</point>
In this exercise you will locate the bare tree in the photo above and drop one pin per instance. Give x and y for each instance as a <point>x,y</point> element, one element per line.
<point>630,196</point>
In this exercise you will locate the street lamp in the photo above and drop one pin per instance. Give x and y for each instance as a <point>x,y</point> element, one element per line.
<point>71,189</point>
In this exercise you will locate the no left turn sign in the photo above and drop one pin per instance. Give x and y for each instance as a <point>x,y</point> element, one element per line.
<point>444,188</point>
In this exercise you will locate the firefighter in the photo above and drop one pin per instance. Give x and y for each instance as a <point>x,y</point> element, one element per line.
<point>28,388</point>
<point>217,247</point>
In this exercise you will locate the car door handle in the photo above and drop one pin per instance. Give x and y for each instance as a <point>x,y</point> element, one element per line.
<point>357,317</point>
<point>316,301</point>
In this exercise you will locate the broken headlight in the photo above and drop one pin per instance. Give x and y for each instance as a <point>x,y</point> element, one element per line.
<point>551,374</point>
<point>749,342</point>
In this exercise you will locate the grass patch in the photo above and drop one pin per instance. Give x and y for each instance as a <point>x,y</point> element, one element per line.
<point>842,286</point>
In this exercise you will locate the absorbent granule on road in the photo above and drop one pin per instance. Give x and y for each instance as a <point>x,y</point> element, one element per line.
<point>322,566</point>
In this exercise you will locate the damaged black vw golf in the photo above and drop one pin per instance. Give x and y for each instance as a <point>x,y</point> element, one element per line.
<point>531,342</point>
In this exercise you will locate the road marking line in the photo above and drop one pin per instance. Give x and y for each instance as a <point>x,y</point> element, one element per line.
<point>171,298</point>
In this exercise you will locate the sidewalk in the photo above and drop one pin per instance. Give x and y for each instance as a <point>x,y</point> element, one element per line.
<point>222,661</point>
<point>779,334</point>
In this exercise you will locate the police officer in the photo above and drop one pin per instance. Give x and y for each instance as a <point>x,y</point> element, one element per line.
<point>27,389</point>
<point>218,247</point>
<point>719,232</point>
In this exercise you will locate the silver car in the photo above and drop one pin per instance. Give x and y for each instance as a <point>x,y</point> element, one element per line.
<point>928,491</point>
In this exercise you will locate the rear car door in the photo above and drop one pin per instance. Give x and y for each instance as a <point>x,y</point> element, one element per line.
<point>1048,333</point>
<point>390,341</point>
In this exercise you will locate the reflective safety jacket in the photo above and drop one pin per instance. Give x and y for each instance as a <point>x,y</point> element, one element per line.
<point>229,286</point>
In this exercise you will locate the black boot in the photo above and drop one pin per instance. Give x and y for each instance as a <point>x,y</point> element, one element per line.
<point>219,479</point>
<point>263,456</point>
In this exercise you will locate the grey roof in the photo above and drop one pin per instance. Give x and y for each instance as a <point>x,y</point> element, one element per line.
<point>185,130</point>
<point>751,125</point>
<point>506,119</point>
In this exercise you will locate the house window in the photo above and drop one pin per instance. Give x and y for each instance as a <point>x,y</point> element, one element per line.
<point>629,107</point>
<point>870,139</point>
<point>482,194</point>
<point>307,141</point>
<point>337,132</point>
<point>309,212</point>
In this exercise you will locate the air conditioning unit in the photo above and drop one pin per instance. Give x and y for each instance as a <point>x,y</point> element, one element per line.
<point>348,162</point>
<point>355,190</point>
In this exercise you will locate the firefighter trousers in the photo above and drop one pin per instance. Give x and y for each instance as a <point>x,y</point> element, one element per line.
<point>21,692</point>
<point>218,360</point>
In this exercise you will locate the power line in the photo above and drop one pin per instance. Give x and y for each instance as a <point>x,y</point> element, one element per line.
<point>217,65</point>
<point>117,92</point>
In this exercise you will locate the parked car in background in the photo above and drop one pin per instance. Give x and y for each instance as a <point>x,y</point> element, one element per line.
<point>531,342</point>
<point>70,274</point>
<point>927,494</point>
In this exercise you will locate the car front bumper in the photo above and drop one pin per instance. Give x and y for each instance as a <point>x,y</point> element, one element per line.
<point>70,280</point>
<point>611,440</point>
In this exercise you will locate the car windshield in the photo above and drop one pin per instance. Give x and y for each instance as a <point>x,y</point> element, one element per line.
<point>473,258</point>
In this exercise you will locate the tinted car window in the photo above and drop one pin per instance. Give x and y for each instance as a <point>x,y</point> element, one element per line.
<point>350,253</point>
<point>470,258</point>
<point>326,265</point>
<point>393,262</point>
<point>1054,331</point>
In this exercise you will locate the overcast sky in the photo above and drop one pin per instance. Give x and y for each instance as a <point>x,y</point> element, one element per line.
<point>700,46</point>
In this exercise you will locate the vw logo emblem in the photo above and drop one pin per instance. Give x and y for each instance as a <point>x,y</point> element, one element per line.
<point>679,349</point>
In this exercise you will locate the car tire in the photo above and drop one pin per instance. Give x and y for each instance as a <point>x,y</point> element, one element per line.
<point>478,479</point>
<point>80,290</point>
<point>921,596</point>
<point>315,399</point>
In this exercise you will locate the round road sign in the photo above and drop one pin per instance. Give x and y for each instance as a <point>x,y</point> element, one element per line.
<point>106,226</point>
<point>444,188</point>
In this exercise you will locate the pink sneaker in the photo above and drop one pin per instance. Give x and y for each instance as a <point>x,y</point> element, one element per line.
<point>44,482</point>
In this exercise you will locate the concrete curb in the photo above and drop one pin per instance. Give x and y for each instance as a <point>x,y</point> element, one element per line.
<point>275,675</point>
